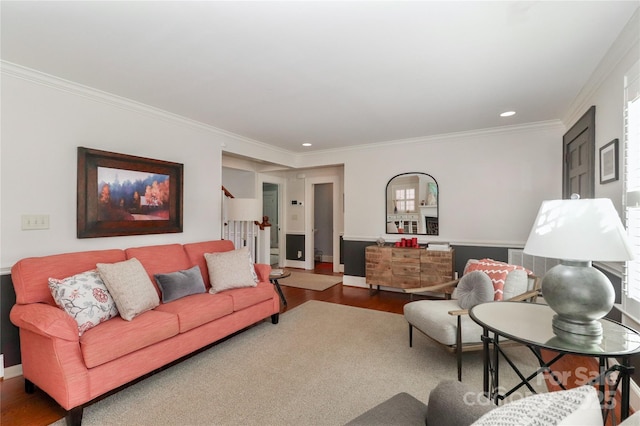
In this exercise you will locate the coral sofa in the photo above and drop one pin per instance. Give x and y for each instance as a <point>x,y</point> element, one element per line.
<point>77,368</point>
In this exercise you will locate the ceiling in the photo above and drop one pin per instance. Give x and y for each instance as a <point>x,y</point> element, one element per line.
<point>332,73</point>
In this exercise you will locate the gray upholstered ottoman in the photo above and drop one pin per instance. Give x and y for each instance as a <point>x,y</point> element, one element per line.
<point>400,409</point>
<point>451,403</point>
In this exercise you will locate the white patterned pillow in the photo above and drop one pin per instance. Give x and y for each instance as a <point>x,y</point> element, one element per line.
<point>230,269</point>
<point>573,407</point>
<point>85,297</point>
<point>130,287</point>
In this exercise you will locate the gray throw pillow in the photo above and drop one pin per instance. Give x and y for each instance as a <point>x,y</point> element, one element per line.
<point>474,288</point>
<point>180,284</point>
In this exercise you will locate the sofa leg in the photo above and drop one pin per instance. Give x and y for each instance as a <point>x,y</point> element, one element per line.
<point>74,416</point>
<point>275,318</point>
<point>410,336</point>
<point>29,387</point>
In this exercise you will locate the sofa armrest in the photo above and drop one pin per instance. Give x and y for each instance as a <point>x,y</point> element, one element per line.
<point>45,320</point>
<point>454,403</point>
<point>262,270</point>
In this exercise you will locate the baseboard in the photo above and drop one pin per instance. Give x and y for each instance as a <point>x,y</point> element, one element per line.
<point>13,371</point>
<point>294,264</point>
<point>354,281</point>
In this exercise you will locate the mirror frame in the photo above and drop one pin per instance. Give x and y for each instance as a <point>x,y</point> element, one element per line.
<point>421,216</point>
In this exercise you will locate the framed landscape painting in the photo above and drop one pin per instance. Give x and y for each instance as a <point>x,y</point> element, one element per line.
<point>120,194</point>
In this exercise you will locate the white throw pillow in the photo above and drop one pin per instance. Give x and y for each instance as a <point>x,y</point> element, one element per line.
<point>130,287</point>
<point>573,407</point>
<point>230,269</point>
<point>85,297</point>
<point>516,283</point>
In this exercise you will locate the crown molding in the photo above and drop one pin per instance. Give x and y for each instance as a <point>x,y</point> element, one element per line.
<point>470,134</point>
<point>621,47</point>
<point>77,89</point>
<point>38,77</point>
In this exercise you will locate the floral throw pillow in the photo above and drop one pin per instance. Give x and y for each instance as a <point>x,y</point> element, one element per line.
<point>85,297</point>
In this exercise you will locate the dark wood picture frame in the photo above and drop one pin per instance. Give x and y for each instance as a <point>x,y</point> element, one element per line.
<point>93,223</point>
<point>609,162</point>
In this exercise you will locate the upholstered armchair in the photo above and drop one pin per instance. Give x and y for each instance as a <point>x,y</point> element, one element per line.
<point>447,321</point>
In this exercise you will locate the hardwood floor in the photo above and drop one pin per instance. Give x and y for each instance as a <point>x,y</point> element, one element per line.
<point>20,408</point>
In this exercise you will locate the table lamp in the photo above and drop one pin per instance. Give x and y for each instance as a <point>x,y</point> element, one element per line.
<point>244,210</point>
<point>578,232</point>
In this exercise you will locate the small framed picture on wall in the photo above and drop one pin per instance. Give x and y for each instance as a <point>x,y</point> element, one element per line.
<point>609,162</point>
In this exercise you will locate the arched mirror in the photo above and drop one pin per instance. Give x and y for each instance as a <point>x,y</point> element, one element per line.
<point>412,204</point>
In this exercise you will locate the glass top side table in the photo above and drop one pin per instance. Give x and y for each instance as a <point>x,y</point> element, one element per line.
<point>530,324</point>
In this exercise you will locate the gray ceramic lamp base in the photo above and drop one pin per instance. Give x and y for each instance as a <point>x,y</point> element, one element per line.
<point>580,295</point>
<point>581,333</point>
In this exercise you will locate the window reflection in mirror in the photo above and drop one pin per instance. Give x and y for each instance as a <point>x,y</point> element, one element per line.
<point>412,204</point>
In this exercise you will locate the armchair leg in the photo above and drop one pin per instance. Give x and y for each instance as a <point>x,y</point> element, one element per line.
<point>459,348</point>
<point>410,336</point>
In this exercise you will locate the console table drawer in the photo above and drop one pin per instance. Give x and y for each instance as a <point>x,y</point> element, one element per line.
<point>407,267</point>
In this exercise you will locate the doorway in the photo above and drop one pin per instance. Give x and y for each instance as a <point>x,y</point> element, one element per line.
<point>322,200</point>
<point>323,226</point>
<point>271,209</point>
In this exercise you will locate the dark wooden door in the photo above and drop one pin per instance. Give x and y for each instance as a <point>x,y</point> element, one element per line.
<point>579,157</point>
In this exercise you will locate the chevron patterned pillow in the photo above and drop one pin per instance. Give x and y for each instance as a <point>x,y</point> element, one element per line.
<point>497,271</point>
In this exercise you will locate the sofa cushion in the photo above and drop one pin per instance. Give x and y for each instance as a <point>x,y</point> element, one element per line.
<point>148,328</point>
<point>245,297</point>
<point>433,315</point>
<point>228,270</point>
<point>578,406</point>
<point>195,310</point>
<point>179,284</point>
<point>160,259</point>
<point>474,288</point>
<point>85,297</point>
<point>130,287</point>
<point>196,252</point>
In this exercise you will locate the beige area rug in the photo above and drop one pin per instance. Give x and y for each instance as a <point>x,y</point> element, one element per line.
<point>323,364</point>
<point>310,281</point>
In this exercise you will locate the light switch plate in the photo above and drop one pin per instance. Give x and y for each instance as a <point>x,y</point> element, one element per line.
<point>35,221</point>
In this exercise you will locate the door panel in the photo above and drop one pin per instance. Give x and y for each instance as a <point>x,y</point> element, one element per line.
<point>579,157</point>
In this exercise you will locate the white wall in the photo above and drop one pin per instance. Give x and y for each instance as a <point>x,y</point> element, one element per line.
<point>295,221</point>
<point>491,183</point>
<point>45,120</point>
<point>605,90</point>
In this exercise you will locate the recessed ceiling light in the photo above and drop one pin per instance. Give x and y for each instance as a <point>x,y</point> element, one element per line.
<point>508,114</point>
<point>306,144</point>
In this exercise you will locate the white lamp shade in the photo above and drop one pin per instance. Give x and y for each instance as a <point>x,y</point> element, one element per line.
<point>581,230</point>
<point>244,209</point>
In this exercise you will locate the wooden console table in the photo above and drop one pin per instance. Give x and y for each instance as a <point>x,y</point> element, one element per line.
<point>407,267</point>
